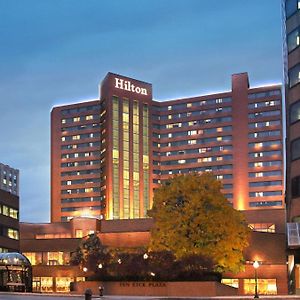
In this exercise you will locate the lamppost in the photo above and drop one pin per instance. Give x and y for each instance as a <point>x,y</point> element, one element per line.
<point>255,266</point>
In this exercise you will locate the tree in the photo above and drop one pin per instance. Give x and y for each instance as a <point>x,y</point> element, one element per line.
<point>92,255</point>
<point>192,217</point>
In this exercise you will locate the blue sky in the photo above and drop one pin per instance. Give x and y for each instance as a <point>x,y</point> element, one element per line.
<point>57,51</point>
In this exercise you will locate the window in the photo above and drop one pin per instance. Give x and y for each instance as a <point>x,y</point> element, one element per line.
<point>78,233</point>
<point>262,227</point>
<point>294,75</point>
<point>13,233</point>
<point>295,149</point>
<point>264,286</point>
<point>265,203</point>
<point>296,187</point>
<point>293,40</point>
<point>291,6</point>
<point>295,112</point>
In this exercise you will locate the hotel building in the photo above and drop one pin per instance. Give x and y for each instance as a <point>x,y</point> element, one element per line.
<point>9,209</point>
<point>291,12</point>
<point>108,155</point>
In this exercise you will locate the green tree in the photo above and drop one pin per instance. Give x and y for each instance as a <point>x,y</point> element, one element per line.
<point>192,217</point>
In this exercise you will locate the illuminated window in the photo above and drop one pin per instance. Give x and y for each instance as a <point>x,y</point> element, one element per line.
<point>231,282</point>
<point>89,117</point>
<point>264,286</point>
<point>13,233</point>
<point>63,121</point>
<point>46,284</point>
<point>76,119</point>
<point>262,227</point>
<point>78,233</point>
<point>55,258</point>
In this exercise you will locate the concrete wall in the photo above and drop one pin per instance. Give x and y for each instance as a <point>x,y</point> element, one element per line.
<point>152,288</point>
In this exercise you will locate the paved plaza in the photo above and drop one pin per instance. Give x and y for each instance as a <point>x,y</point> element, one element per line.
<point>36,296</point>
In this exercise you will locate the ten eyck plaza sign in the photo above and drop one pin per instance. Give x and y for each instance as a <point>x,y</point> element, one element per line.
<point>128,86</point>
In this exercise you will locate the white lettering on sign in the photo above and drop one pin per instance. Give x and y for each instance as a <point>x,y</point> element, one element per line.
<point>128,86</point>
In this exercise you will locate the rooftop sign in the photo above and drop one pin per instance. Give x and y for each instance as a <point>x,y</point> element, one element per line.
<point>128,86</point>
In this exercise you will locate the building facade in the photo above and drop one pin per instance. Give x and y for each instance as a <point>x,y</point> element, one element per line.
<point>291,13</point>
<point>108,155</point>
<point>9,209</point>
<point>49,247</point>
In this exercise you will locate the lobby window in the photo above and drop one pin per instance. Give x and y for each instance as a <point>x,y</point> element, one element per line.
<point>291,7</point>
<point>264,286</point>
<point>294,75</point>
<point>295,112</point>
<point>295,147</point>
<point>231,282</point>
<point>55,258</point>
<point>296,187</point>
<point>293,39</point>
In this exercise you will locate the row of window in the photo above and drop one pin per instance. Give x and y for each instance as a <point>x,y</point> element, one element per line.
<point>264,94</point>
<point>265,203</point>
<point>80,127</point>
<point>193,123</point>
<point>263,134</point>
<point>9,211</point>
<point>80,119</point>
<point>81,181</point>
<point>82,199</point>
<point>9,232</point>
<point>217,168</point>
<point>80,163</point>
<point>263,104</point>
<point>259,164</point>
<point>195,160</point>
<point>81,172</point>
<point>197,169</point>
<point>264,144</point>
<point>265,153</point>
<point>265,124</point>
<point>80,136</point>
<point>195,151</point>
<point>194,132</point>
<point>265,193</point>
<point>81,191</point>
<point>226,138</point>
<point>80,109</point>
<point>182,106</point>
<point>265,183</point>
<point>82,145</point>
<point>193,113</point>
<point>70,209</point>
<point>80,154</point>
<point>263,114</point>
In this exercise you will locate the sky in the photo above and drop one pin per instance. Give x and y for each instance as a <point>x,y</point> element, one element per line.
<point>55,52</point>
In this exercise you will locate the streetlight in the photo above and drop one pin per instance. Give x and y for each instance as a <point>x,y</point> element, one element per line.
<point>255,266</point>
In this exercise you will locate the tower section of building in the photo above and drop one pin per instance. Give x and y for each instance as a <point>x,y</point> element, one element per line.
<point>75,161</point>
<point>126,114</point>
<point>9,208</point>
<point>292,76</point>
<point>9,179</point>
<point>236,135</point>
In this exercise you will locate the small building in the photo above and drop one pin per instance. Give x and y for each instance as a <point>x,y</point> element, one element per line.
<point>49,247</point>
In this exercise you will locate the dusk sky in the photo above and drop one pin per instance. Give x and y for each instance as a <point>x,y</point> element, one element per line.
<point>57,51</point>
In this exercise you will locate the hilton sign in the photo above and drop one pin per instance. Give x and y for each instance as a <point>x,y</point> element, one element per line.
<point>128,86</point>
